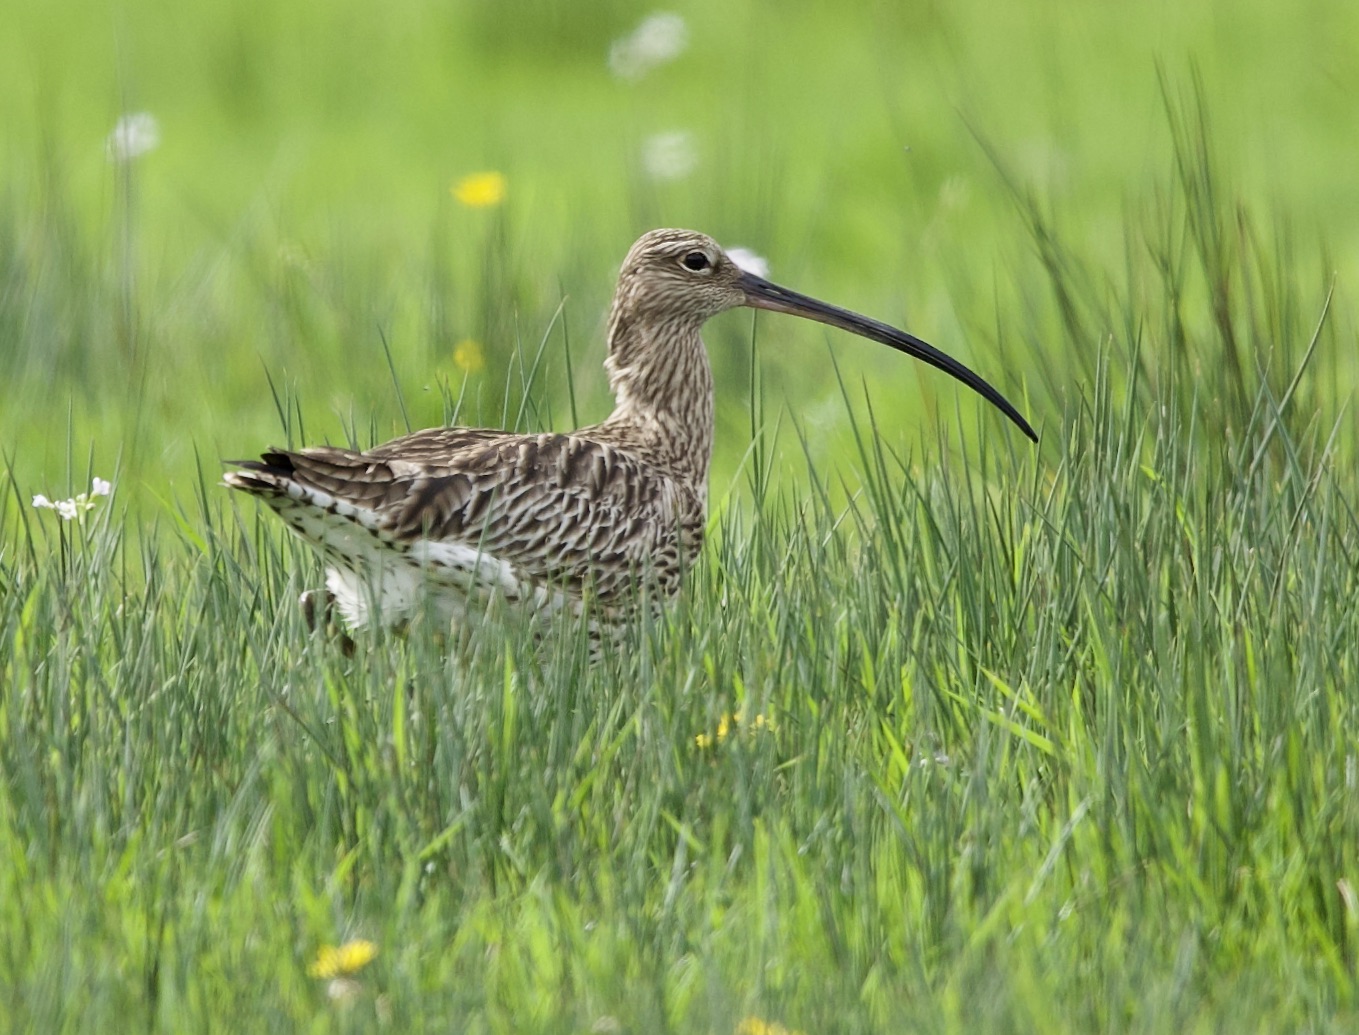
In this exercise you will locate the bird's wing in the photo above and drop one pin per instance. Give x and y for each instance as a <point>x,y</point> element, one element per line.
<point>556,508</point>
<point>436,446</point>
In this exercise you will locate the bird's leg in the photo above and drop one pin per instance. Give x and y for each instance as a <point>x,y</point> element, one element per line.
<point>308,602</point>
<point>319,605</point>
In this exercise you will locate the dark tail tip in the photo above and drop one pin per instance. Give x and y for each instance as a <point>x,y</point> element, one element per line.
<point>267,474</point>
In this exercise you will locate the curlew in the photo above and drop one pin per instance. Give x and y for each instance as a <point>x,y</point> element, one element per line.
<point>597,519</point>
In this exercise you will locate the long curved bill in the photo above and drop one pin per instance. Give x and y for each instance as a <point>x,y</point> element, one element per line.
<point>761,294</point>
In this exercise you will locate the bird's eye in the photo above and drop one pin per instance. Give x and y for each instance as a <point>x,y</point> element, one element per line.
<point>696,261</point>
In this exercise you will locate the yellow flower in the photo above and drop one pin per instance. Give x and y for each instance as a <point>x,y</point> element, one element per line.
<point>349,958</point>
<point>728,722</point>
<point>469,357</point>
<point>481,190</point>
<point>759,1026</point>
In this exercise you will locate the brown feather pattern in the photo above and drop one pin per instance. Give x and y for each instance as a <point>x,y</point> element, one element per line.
<point>607,514</point>
<point>561,510</point>
<point>600,513</point>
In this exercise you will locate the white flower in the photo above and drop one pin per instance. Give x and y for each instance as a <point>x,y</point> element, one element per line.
<point>78,506</point>
<point>660,38</point>
<point>669,156</point>
<point>133,136</point>
<point>749,261</point>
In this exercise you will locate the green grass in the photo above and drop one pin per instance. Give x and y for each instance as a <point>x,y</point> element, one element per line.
<point>1058,738</point>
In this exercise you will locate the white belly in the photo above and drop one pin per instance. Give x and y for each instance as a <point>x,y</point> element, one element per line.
<point>448,578</point>
<point>377,580</point>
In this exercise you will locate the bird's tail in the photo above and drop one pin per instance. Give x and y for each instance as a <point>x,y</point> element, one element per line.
<point>270,475</point>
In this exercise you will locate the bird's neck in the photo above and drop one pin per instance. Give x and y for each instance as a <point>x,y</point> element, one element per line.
<point>663,387</point>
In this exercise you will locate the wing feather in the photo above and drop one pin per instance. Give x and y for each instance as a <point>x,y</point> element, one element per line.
<point>559,509</point>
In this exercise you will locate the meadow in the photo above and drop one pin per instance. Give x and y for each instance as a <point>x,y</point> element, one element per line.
<point>947,732</point>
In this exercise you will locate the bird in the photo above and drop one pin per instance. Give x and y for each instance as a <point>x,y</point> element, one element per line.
<point>592,522</point>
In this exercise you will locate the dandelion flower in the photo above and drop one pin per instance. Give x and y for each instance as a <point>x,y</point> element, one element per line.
<point>726,723</point>
<point>469,357</point>
<point>132,136</point>
<point>660,38</point>
<point>669,156</point>
<point>481,190</point>
<point>342,962</point>
<point>706,740</point>
<point>749,261</point>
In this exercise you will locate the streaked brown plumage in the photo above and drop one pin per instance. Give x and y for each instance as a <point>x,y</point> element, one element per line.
<point>598,515</point>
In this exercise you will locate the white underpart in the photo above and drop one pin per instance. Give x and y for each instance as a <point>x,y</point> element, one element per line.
<point>452,577</point>
<point>480,568</point>
<point>386,595</point>
<point>383,581</point>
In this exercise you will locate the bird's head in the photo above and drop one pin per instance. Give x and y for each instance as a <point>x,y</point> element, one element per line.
<point>672,281</point>
<point>678,277</point>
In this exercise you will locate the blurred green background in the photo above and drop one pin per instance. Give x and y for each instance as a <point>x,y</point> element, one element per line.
<point>297,209</point>
<point>1065,744</point>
